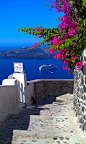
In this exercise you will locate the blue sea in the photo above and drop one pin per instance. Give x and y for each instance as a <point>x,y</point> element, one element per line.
<point>31,68</point>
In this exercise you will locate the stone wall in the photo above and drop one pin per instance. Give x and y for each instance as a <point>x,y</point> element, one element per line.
<point>79,92</point>
<point>52,87</point>
<point>29,92</point>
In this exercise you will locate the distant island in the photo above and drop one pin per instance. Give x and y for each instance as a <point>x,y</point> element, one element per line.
<point>23,53</point>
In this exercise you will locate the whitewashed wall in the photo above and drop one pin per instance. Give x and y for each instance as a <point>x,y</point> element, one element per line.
<point>25,89</point>
<point>9,100</point>
<point>21,79</point>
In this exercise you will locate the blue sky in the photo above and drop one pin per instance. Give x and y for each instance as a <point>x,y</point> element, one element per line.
<point>15,14</point>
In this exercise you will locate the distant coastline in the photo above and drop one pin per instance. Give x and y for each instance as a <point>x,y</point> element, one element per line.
<point>23,53</point>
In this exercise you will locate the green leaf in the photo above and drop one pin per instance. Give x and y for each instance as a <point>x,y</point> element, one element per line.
<point>84,22</point>
<point>57,46</point>
<point>84,3</point>
<point>67,44</point>
<point>70,42</point>
<point>71,72</point>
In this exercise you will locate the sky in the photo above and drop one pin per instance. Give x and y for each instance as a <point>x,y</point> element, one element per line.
<point>16,14</point>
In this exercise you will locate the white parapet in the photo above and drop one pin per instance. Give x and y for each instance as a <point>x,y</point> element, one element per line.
<point>9,82</point>
<point>21,79</point>
<point>9,98</point>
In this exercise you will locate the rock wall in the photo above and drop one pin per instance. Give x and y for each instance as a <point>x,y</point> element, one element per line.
<point>52,87</point>
<point>79,92</point>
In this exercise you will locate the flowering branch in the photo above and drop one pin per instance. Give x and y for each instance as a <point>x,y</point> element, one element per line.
<point>69,39</point>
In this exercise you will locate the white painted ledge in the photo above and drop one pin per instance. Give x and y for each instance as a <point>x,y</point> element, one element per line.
<point>9,82</point>
<point>38,80</point>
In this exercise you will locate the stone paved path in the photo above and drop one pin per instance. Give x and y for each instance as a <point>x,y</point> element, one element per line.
<point>53,123</point>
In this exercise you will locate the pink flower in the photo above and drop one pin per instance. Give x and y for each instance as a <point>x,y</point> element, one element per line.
<point>63,67</point>
<point>32,46</point>
<point>77,19</point>
<point>71,131</point>
<point>37,29</point>
<point>39,43</point>
<point>73,58</point>
<point>58,10</point>
<point>52,6</point>
<point>74,43</point>
<point>65,61</point>
<point>51,51</point>
<point>41,30</point>
<point>33,29</point>
<point>57,56</point>
<point>69,69</point>
<point>79,65</point>
<point>35,43</point>
<point>55,40</point>
<point>74,32</point>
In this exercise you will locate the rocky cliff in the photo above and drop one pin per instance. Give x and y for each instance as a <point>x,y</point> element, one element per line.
<point>23,53</point>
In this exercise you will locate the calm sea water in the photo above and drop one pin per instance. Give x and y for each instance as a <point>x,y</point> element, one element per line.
<point>31,68</point>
